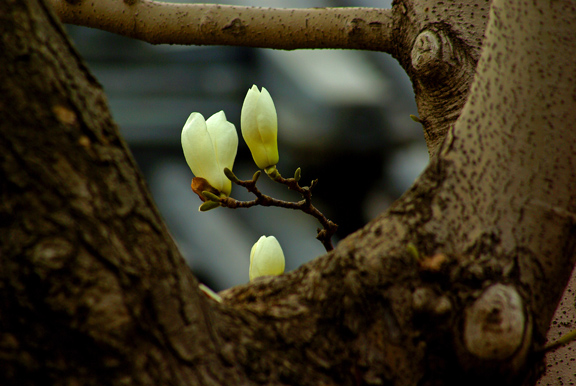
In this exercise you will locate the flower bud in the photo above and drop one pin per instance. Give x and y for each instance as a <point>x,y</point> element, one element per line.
<point>266,258</point>
<point>259,125</point>
<point>209,147</point>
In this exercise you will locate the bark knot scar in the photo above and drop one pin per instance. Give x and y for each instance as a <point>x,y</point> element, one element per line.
<point>427,49</point>
<point>356,26</point>
<point>432,52</point>
<point>235,27</point>
<point>495,324</point>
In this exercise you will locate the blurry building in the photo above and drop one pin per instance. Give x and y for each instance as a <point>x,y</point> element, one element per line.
<point>343,118</point>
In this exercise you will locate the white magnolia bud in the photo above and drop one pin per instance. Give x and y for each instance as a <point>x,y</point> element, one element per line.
<point>209,147</point>
<point>259,125</point>
<point>266,258</point>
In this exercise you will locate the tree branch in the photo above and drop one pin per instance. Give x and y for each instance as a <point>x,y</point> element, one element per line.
<point>305,205</point>
<point>94,292</point>
<point>213,24</point>
<point>529,139</point>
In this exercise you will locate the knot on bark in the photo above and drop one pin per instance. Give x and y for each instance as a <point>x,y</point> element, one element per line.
<point>432,53</point>
<point>356,26</point>
<point>235,27</point>
<point>495,324</point>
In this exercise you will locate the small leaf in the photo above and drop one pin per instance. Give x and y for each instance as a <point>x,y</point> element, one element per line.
<point>211,294</point>
<point>210,196</point>
<point>415,118</point>
<point>208,205</point>
<point>256,176</point>
<point>297,174</point>
<point>231,176</point>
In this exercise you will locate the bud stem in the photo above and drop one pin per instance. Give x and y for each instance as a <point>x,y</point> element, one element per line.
<point>305,205</point>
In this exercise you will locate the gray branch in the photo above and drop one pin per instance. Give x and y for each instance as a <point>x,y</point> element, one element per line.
<point>214,24</point>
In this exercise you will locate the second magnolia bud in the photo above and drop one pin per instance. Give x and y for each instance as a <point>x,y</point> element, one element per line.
<point>259,124</point>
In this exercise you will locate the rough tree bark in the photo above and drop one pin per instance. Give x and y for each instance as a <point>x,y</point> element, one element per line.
<point>95,292</point>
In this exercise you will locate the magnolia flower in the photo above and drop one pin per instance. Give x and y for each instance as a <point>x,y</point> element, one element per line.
<point>259,125</point>
<point>209,147</point>
<point>266,258</point>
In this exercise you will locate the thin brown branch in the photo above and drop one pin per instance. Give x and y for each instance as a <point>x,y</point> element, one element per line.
<point>324,235</point>
<point>213,24</point>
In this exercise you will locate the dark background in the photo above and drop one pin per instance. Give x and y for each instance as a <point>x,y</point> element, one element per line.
<point>343,118</point>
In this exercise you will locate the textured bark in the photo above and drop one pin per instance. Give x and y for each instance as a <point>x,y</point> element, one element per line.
<point>438,44</point>
<point>455,284</point>
<point>560,369</point>
<point>88,270</point>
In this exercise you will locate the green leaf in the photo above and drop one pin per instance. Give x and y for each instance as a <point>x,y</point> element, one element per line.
<point>298,174</point>
<point>208,205</point>
<point>210,196</point>
<point>415,118</point>
<point>231,176</point>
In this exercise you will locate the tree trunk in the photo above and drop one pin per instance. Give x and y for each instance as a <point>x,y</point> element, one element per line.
<point>455,284</point>
<point>94,290</point>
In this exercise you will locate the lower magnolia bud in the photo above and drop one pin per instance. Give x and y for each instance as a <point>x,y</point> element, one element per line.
<point>266,258</point>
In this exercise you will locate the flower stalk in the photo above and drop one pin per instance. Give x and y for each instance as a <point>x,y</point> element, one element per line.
<point>305,205</point>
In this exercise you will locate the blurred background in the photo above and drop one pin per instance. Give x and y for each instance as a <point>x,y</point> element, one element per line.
<point>343,118</point>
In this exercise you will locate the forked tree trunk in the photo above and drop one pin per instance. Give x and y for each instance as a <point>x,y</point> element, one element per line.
<point>455,284</point>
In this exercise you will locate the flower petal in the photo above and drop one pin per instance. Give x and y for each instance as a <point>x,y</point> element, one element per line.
<point>197,146</point>
<point>225,142</point>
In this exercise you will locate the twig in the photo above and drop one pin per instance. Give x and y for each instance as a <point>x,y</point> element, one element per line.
<point>324,235</point>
